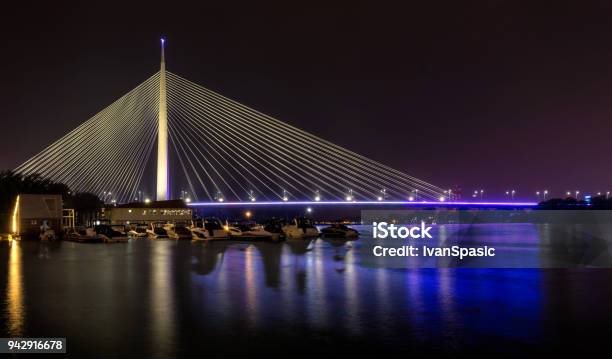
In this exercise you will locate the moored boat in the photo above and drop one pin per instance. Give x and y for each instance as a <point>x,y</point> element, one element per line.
<point>209,229</point>
<point>300,228</point>
<point>108,234</point>
<point>254,231</point>
<point>156,230</point>
<point>138,231</point>
<point>339,230</point>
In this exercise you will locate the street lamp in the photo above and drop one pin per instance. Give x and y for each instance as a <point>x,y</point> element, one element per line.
<point>349,196</point>
<point>545,193</point>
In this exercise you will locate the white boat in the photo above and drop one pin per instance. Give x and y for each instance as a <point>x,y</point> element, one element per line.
<point>138,231</point>
<point>209,229</point>
<point>234,231</point>
<point>169,228</point>
<point>156,230</point>
<point>254,231</point>
<point>300,228</point>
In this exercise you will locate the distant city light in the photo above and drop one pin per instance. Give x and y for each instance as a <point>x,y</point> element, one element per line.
<point>309,210</point>
<point>147,200</point>
<point>247,214</point>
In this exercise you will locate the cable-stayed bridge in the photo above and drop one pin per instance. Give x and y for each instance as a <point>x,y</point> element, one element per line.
<point>209,148</point>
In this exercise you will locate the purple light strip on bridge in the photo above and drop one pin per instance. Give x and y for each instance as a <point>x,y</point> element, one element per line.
<point>316,203</point>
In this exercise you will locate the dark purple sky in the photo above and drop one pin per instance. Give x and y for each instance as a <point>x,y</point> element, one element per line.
<point>491,94</point>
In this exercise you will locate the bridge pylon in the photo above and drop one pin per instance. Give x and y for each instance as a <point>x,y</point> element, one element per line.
<point>162,133</point>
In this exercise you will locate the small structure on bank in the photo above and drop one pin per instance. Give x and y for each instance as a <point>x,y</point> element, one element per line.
<point>35,213</point>
<point>142,212</point>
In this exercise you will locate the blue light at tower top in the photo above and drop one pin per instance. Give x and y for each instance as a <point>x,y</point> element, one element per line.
<point>163,40</point>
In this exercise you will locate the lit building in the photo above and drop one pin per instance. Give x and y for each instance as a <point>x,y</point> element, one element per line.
<point>31,211</point>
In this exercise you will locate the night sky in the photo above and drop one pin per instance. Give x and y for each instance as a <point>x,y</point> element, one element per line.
<point>494,94</point>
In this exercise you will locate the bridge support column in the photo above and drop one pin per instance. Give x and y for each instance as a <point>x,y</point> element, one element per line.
<point>162,136</point>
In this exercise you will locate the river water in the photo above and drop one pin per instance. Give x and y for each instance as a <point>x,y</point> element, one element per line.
<point>294,299</point>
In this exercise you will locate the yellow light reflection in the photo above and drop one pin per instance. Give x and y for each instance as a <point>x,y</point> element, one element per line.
<point>14,292</point>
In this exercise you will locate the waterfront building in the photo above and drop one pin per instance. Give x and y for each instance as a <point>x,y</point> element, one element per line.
<point>32,212</point>
<point>143,212</point>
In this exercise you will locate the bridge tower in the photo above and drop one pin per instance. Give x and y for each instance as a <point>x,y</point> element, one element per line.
<point>162,137</point>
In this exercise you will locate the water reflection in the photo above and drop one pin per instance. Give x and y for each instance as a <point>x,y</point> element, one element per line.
<point>224,295</point>
<point>162,308</point>
<point>15,306</point>
<point>251,285</point>
<point>351,294</point>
